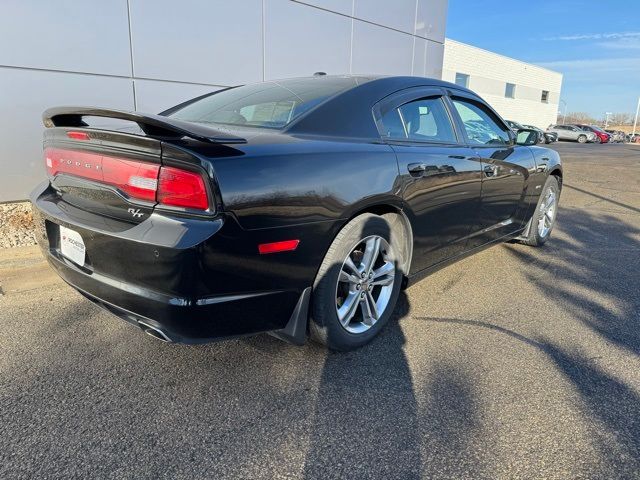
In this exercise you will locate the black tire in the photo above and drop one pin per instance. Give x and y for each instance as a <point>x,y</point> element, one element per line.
<point>324,325</point>
<point>532,235</point>
<point>582,139</point>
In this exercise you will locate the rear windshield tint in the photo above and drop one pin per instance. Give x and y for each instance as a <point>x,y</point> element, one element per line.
<point>268,104</point>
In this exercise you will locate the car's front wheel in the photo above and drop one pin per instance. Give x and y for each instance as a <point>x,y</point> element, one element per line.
<point>582,139</point>
<point>358,283</point>
<point>539,227</point>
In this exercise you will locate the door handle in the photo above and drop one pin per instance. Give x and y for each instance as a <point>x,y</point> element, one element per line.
<point>416,169</point>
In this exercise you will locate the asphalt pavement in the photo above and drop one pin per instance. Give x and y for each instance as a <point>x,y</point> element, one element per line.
<point>514,363</point>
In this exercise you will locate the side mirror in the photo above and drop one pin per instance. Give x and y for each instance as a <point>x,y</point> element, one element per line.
<point>527,137</point>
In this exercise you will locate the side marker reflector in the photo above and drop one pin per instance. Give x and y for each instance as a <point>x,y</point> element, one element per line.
<point>284,246</point>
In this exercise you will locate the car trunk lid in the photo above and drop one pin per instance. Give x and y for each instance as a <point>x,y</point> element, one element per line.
<point>107,173</point>
<point>111,163</point>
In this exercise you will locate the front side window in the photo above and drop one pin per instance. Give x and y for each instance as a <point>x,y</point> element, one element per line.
<point>424,120</point>
<point>510,90</point>
<point>481,128</point>
<point>462,79</point>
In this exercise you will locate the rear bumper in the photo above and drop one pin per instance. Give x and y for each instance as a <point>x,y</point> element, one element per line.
<point>180,319</point>
<point>185,283</point>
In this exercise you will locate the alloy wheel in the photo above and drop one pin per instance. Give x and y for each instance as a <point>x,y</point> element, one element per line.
<point>365,284</point>
<point>548,213</point>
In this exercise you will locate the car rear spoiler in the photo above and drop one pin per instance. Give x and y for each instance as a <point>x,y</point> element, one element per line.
<point>153,125</point>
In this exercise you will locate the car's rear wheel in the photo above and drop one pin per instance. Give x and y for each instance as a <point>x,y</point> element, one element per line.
<point>358,283</point>
<point>582,139</point>
<point>539,227</point>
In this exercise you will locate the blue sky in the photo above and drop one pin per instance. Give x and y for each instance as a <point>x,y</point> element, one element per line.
<point>595,44</point>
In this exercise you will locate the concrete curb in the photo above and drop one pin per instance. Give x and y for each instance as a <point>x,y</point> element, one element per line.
<point>23,269</point>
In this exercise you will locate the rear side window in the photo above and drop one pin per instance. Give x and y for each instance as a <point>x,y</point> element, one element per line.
<point>424,120</point>
<point>481,128</point>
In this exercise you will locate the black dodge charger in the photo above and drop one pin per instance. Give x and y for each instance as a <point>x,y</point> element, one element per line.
<point>298,207</point>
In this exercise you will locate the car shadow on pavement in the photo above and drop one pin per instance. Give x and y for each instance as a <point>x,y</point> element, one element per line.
<point>365,412</point>
<point>604,400</point>
<point>367,420</point>
<point>368,424</point>
<point>594,269</point>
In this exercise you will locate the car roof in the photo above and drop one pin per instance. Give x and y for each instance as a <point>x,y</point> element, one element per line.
<point>342,114</point>
<point>397,82</point>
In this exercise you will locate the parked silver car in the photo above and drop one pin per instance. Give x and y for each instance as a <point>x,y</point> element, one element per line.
<point>572,133</point>
<point>616,136</point>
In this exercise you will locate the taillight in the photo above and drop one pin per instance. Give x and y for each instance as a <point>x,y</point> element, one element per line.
<point>150,182</point>
<point>181,188</point>
<point>137,180</point>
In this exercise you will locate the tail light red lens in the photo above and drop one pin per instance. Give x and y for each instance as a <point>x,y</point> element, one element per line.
<point>139,180</point>
<point>136,179</point>
<point>181,188</point>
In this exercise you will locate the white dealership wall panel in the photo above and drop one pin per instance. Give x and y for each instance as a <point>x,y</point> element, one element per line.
<point>152,54</point>
<point>490,72</point>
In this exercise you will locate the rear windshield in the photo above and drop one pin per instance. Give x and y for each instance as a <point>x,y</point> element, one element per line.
<point>269,104</point>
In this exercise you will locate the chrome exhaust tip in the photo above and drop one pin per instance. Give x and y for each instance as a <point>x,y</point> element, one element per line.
<point>155,332</point>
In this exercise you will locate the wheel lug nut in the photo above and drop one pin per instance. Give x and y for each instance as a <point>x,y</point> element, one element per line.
<point>362,295</point>
<point>370,287</point>
<point>358,286</point>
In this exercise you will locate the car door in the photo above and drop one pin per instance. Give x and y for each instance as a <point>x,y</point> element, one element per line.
<point>563,132</point>
<point>440,178</point>
<point>575,132</point>
<point>506,169</point>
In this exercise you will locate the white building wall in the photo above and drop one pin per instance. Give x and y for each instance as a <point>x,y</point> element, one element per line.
<point>152,54</point>
<point>488,75</point>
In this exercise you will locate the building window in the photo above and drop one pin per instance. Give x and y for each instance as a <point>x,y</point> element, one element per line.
<point>510,91</point>
<point>462,79</point>
<point>545,96</point>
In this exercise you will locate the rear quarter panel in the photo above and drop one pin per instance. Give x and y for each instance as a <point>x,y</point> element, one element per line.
<point>303,180</point>
<point>293,188</point>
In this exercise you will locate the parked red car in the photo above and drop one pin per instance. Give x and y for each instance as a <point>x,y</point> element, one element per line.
<point>603,137</point>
